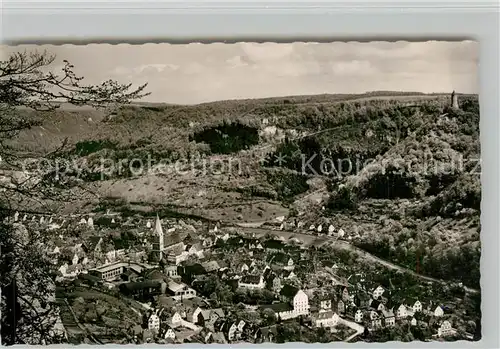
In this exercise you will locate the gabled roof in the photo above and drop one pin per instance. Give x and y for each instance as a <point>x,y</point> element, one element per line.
<point>194,269</point>
<point>325,315</point>
<point>250,279</point>
<point>175,251</point>
<point>268,274</point>
<point>362,296</point>
<point>286,273</point>
<point>156,275</point>
<point>278,307</point>
<point>132,286</point>
<point>218,311</point>
<point>174,286</point>
<point>387,313</point>
<point>197,246</point>
<point>210,265</point>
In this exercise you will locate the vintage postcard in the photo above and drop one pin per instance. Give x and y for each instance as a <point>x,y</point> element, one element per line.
<point>240,193</point>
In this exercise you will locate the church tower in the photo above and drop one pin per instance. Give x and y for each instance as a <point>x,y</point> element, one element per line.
<point>158,232</point>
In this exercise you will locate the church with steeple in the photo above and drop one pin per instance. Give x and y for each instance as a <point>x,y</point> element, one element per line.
<point>158,245</point>
<point>167,245</point>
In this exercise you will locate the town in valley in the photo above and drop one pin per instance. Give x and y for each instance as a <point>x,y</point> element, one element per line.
<point>243,193</point>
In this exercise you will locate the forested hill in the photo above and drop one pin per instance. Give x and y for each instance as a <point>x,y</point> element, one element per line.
<point>399,169</point>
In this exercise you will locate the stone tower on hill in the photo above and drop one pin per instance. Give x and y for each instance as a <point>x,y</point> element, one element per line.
<point>454,100</point>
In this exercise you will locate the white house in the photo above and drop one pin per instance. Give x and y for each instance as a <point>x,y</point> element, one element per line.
<point>196,249</point>
<point>327,319</point>
<point>176,319</point>
<point>301,303</point>
<point>63,268</point>
<point>193,317</point>
<point>241,325</point>
<point>320,228</point>
<point>289,265</point>
<point>341,233</point>
<point>389,319</point>
<point>280,219</point>
<point>289,275</point>
<point>375,319</point>
<point>312,227</point>
<point>331,230</point>
<point>252,282</point>
<point>417,306</point>
<point>358,316</point>
<point>244,268</point>
<point>180,291</point>
<point>438,312</point>
<point>231,333</point>
<point>445,329</point>
<point>326,304</point>
<point>413,322</point>
<point>171,271</point>
<point>379,291</point>
<point>401,312</point>
<point>169,334</point>
<point>154,323</point>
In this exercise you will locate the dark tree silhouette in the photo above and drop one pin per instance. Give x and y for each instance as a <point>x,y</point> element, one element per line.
<point>28,306</point>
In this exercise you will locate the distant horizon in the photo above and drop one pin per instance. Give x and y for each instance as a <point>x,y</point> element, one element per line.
<point>409,94</point>
<point>403,93</point>
<point>201,73</point>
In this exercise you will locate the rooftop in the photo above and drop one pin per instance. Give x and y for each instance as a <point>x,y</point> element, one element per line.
<point>278,307</point>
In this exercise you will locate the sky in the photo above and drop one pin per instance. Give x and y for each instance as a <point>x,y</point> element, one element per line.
<point>197,73</point>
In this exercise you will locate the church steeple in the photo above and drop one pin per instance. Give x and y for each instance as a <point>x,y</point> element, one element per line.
<point>159,232</point>
<point>158,228</point>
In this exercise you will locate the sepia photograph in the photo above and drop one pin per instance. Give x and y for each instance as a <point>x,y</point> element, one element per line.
<point>240,193</point>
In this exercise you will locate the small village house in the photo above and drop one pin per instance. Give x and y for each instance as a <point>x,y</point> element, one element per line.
<point>326,319</point>
<point>438,312</point>
<point>378,292</point>
<point>445,329</point>
<point>154,323</point>
<point>358,316</point>
<point>389,318</point>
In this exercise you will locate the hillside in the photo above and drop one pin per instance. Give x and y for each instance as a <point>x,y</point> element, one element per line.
<point>396,168</point>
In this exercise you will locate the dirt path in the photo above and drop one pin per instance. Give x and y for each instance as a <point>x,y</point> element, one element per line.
<point>355,326</point>
<point>82,327</point>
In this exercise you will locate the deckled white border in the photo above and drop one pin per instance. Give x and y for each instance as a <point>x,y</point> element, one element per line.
<point>132,21</point>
